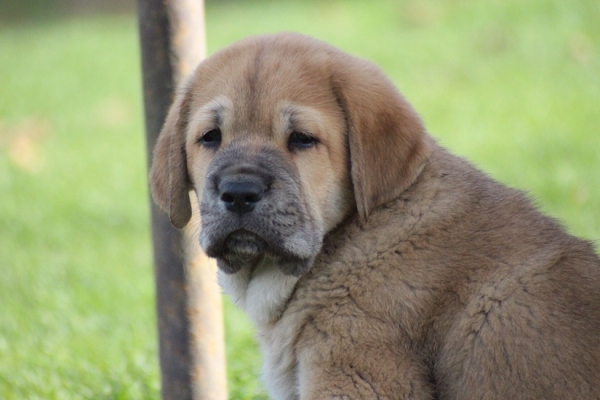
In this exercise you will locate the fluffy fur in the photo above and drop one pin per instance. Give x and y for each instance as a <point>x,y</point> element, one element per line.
<point>373,263</point>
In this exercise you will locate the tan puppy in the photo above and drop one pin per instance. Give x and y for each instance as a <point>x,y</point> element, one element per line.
<point>374,264</point>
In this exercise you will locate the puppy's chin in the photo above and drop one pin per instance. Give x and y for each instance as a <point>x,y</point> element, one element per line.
<point>243,249</point>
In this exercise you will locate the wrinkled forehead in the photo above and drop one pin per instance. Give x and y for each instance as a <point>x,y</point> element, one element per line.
<point>257,84</point>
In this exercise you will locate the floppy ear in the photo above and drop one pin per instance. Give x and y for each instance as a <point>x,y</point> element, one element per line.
<point>387,140</point>
<point>169,181</point>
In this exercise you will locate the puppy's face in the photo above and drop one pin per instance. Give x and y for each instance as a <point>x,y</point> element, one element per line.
<point>269,162</point>
<point>278,135</point>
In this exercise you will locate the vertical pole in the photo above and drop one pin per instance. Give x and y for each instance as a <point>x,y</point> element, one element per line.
<point>190,322</point>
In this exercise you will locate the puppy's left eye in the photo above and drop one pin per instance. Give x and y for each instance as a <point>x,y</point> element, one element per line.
<point>301,141</point>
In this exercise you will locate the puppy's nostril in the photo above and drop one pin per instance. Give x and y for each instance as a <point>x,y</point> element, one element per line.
<point>252,198</point>
<point>227,198</point>
<point>240,196</point>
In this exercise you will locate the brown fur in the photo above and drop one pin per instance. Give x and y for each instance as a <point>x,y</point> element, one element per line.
<point>376,265</point>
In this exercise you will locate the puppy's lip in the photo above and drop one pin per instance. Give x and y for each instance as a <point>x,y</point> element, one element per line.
<point>242,243</point>
<point>243,234</point>
<point>241,249</point>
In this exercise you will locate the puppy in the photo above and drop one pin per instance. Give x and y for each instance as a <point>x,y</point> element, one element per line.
<point>374,264</point>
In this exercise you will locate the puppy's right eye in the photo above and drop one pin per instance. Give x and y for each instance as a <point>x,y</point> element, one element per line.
<point>211,139</point>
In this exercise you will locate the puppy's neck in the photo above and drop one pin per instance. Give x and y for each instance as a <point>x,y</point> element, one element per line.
<point>261,292</point>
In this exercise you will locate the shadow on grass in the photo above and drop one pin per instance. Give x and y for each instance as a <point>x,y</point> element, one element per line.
<point>24,11</point>
<point>35,11</point>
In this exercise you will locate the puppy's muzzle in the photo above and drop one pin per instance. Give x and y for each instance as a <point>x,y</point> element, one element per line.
<point>253,206</point>
<point>241,194</point>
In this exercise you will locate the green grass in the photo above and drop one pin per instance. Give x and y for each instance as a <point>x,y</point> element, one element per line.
<point>511,85</point>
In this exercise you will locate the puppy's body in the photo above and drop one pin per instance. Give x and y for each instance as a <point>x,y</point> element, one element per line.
<point>373,263</point>
<point>442,295</point>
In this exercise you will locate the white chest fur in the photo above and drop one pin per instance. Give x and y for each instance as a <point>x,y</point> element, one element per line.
<point>262,294</point>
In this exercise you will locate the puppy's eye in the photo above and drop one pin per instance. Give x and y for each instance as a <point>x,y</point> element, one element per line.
<point>211,139</point>
<point>301,141</point>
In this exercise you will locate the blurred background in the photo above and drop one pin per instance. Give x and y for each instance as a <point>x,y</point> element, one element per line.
<point>512,85</point>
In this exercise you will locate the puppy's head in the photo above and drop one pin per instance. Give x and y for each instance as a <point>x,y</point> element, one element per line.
<point>282,137</point>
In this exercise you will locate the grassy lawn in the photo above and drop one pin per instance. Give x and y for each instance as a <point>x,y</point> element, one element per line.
<point>511,85</point>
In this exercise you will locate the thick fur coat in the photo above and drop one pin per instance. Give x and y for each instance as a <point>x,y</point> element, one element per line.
<point>374,264</point>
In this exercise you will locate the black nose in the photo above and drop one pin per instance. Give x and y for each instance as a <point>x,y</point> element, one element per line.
<point>240,196</point>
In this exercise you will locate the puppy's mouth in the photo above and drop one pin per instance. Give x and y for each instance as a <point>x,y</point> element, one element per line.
<point>244,249</point>
<point>241,248</point>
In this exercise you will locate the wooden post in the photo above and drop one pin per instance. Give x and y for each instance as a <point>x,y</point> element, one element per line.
<point>190,322</point>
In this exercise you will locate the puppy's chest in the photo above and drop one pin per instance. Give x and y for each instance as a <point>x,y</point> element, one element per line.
<point>261,293</point>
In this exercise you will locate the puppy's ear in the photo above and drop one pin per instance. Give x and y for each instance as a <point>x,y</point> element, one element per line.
<point>169,181</point>
<point>387,140</point>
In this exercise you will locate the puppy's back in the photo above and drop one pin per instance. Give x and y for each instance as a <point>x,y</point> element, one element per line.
<point>496,299</point>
